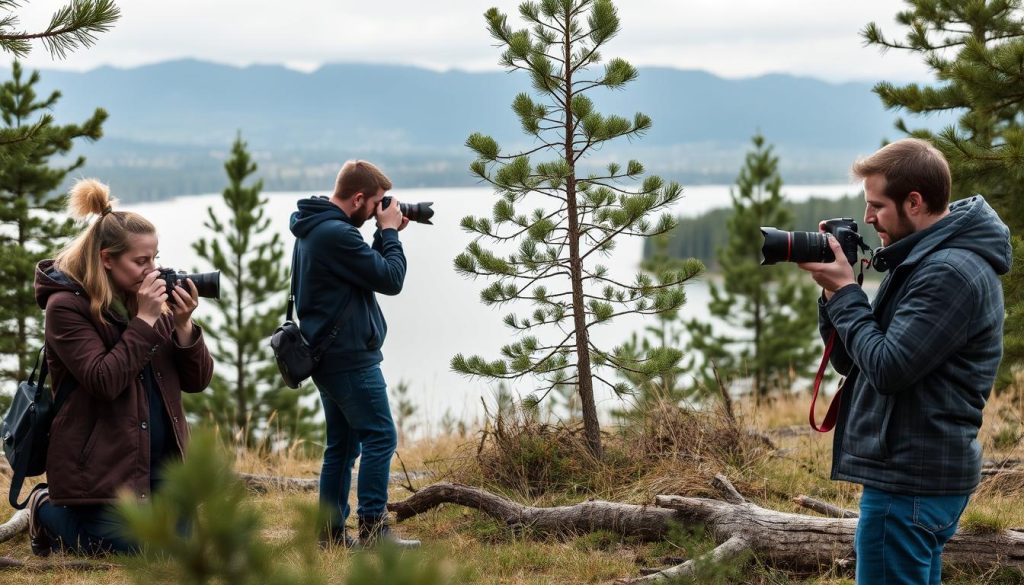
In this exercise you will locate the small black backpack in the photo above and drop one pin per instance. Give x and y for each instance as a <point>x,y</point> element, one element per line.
<point>25,429</point>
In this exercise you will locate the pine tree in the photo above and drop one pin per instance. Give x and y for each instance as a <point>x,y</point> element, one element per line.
<point>29,228</point>
<point>663,378</point>
<point>577,217</point>
<point>974,49</point>
<point>72,26</point>
<point>773,309</point>
<point>251,397</point>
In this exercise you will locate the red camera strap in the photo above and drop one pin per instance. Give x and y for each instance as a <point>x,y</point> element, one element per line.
<point>833,409</point>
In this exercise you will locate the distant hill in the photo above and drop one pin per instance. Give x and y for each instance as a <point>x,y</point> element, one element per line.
<point>171,123</point>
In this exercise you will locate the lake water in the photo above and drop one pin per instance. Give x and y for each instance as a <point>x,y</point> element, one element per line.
<point>439,313</point>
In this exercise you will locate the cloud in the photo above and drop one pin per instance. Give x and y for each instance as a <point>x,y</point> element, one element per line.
<point>736,38</point>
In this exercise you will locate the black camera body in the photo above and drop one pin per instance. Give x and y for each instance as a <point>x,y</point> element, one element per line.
<point>782,246</point>
<point>845,231</point>
<point>418,212</point>
<point>207,283</point>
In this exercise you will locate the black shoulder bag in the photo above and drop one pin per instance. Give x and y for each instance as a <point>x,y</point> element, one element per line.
<point>25,430</point>
<point>296,358</point>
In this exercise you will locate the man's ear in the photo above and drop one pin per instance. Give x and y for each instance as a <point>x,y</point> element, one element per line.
<point>914,203</point>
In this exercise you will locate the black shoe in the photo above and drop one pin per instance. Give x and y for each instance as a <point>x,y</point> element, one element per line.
<point>334,536</point>
<point>374,530</point>
<point>40,541</point>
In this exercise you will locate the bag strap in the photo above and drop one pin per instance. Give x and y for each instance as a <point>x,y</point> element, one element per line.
<point>35,368</point>
<point>343,315</point>
<point>21,464</point>
<point>291,284</point>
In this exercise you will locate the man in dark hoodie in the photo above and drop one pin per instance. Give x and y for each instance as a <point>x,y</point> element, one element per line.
<point>338,275</point>
<point>919,360</point>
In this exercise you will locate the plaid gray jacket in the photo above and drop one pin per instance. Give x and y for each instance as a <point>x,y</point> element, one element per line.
<point>921,358</point>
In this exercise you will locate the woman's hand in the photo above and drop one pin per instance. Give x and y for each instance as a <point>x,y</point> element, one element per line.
<point>185,303</point>
<point>151,297</point>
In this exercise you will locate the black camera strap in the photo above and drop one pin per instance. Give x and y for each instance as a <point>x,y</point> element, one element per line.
<point>317,350</point>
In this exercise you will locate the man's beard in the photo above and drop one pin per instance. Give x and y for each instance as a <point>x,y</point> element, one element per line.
<point>360,217</point>
<point>904,228</point>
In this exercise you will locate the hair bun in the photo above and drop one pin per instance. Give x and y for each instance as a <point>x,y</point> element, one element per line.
<point>88,196</point>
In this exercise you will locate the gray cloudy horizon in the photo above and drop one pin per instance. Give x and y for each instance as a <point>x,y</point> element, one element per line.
<point>741,38</point>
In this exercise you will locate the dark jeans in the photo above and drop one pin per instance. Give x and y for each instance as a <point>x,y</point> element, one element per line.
<point>359,424</point>
<point>899,538</point>
<point>85,530</point>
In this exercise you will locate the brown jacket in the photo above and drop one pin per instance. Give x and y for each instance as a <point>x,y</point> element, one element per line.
<point>99,441</point>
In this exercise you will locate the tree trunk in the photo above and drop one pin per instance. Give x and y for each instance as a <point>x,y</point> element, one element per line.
<point>242,415</point>
<point>585,379</point>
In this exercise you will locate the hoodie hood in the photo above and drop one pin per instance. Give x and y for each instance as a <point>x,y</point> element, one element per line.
<point>970,225</point>
<point>49,280</point>
<point>313,212</point>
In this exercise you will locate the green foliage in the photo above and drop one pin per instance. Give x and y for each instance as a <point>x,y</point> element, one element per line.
<point>247,396</point>
<point>975,50</point>
<point>29,228</point>
<point>659,375</point>
<point>771,311</point>
<point>71,26</point>
<point>404,409</point>
<point>548,257</point>
<point>201,527</point>
<point>696,545</point>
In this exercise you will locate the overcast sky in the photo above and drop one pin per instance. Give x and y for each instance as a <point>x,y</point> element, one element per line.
<point>731,38</point>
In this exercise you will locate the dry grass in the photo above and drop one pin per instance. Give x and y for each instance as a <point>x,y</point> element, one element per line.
<point>674,452</point>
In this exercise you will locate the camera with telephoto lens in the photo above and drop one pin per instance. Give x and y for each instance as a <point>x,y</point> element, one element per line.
<point>419,212</point>
<point>782,246</point>
<point>207,283</point>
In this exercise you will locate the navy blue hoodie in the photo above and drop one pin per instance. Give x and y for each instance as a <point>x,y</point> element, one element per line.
<point>334,267</point>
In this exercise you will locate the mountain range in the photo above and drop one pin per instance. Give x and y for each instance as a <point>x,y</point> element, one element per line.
<point>172,123</point>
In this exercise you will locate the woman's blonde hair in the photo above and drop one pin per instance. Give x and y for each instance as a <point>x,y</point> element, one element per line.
<point>111,230</point>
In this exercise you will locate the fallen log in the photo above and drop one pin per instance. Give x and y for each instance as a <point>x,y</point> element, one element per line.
<point>262,484</point>
<point>784,540</point>
<point>60,564</point>
<point>15,526</point>
<point>824,508</point>
<point>646,522</point>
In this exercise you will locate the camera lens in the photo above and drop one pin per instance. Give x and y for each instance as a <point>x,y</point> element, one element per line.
<point>207,283</point>
<point>782,246</point>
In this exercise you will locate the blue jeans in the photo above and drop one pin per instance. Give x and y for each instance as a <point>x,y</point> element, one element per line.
<point>899,538</point>
<point>359,424</point>
<point>86,530</point>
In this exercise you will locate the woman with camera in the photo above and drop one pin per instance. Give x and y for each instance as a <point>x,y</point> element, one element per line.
<point>124,341</point>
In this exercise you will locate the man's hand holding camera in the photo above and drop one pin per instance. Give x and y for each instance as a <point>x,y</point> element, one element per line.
<point>832,276</point>
<point>391,217</point>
